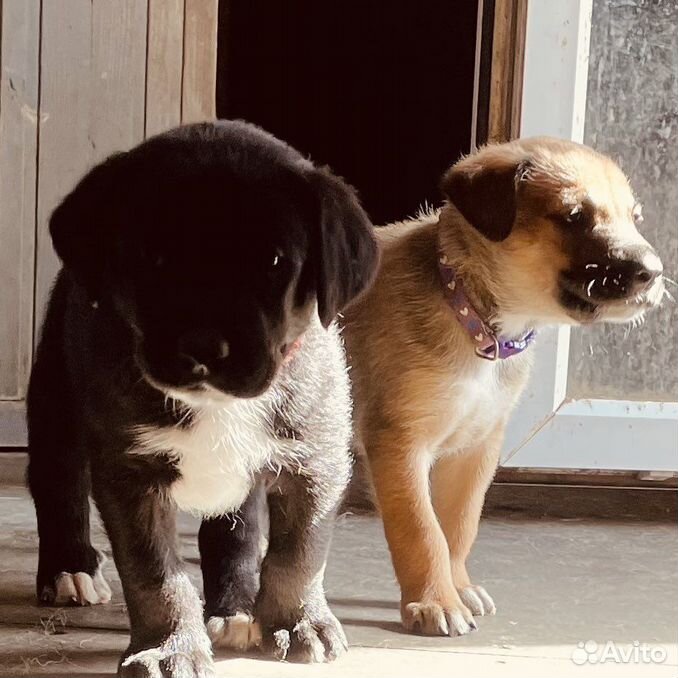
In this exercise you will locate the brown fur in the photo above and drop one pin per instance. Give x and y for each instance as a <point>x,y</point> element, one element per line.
<point>430,413</point>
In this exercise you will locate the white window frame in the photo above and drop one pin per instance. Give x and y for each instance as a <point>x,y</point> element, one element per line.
<point>548,429</point>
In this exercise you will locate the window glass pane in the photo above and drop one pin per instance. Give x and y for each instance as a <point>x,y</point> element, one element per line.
<point>632,115</point>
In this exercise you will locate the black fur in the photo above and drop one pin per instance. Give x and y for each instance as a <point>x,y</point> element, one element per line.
<point>208,233</point>
<point>231,558</point>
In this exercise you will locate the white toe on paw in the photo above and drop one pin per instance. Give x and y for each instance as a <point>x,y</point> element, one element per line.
<point>81,589</point>
<point>238,632</point>
<point>435,620</point>
<point>478,600</point>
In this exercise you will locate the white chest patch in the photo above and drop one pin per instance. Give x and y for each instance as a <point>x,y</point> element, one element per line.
<point>216,456</point>
<point>481,400</point>
<point>476,409</point>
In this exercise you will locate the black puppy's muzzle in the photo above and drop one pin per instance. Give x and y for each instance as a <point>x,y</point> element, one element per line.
<point>201,352</point>
<point>620,275</point>
<point>241,366</point>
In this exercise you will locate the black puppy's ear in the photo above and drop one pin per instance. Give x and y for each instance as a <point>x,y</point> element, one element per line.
<point>83,225</point>
<point>484,190</point>
<point>347,256</point>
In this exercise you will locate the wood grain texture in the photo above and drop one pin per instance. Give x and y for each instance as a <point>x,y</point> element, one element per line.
<point>80,80</point>
<point>12,424</point>
<point>508,55</point>
<point>18,149</point>
<point>92,101</point>
<point>164,67</point>
<point>200,60</point>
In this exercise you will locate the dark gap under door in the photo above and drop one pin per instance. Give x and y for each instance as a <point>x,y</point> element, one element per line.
<point>380,91</point>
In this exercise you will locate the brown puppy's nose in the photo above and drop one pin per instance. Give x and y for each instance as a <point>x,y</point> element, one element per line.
<point>637,270</point>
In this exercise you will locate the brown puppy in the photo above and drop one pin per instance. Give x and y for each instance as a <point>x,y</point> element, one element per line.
<point>534,232</point>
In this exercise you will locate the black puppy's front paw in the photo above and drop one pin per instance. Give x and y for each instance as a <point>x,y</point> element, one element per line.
<point>82,584</point>
<point>237,631</point>
<point>181,655</point>
<point>309,639</point>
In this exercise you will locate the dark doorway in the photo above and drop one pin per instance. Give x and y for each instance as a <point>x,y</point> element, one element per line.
<point>381,91</point>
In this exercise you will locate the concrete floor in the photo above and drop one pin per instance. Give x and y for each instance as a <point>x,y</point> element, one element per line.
<point>557,584</point>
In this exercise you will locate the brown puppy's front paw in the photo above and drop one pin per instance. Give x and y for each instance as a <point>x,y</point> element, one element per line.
<point>237,632</point>
<point>478,600</point>
<point>435,619</point>
<point>181,655</point>
<point>308,640</point>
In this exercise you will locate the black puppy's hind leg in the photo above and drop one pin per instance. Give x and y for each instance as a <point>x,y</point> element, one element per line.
<point>231,549</point>
<point>69,568</point>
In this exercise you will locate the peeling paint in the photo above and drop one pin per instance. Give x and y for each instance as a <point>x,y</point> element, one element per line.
<point>32,115</point>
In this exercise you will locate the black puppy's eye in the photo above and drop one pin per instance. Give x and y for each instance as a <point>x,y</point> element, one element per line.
<point>278,268</point>
<point>276,261</point>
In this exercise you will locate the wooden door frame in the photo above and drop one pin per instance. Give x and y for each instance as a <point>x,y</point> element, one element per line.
<point>500,61</point>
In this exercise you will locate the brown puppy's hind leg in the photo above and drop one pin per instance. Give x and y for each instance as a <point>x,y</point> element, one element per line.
<point>458,486</point>
<point>429,601</point>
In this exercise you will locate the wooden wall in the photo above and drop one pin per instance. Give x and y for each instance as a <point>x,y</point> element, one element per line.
<point>79,79</point>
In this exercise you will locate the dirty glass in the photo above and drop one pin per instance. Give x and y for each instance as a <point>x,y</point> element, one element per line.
<point>632,115</point>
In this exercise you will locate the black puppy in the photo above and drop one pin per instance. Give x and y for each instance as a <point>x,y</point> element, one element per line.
<point>188,359</point>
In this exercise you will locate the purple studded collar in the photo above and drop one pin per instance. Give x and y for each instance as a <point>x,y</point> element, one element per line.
<point>488,345</point>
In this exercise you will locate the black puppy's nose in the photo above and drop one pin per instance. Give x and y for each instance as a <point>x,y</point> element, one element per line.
<point>201,350</point>
<point>637,270</point>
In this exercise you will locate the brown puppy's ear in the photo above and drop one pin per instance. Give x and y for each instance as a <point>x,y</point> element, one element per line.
<point>485,193</point>
<point>83,225</point>
<point>345,247</point>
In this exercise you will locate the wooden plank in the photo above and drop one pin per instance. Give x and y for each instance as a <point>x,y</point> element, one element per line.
<point>508,53</point>
<point>164,64</point>
<point>92,101</point>
<point>64,144</point>
<point>13,468</point>
<point>13,423</point>
<point>118,76</point>
<point>200,60</point>
<point>20,32</point>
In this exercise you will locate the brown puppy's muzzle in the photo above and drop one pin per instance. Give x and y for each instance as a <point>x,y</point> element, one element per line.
<point>604,274</point>
<point>620,274</point>
<point>611,264</point>
<point>637,271</point>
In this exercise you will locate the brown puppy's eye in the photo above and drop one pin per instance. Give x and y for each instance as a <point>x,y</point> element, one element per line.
<point>576,215</point>
<point>638,215</point>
